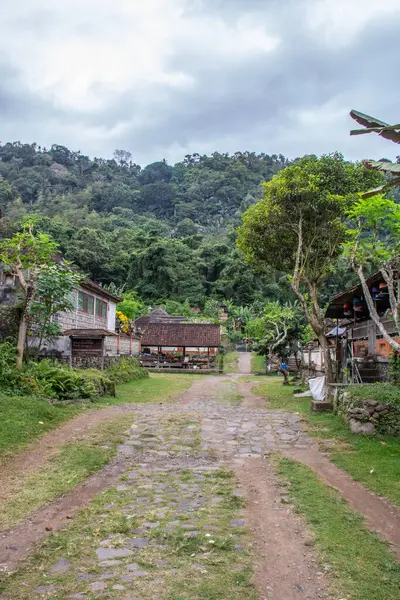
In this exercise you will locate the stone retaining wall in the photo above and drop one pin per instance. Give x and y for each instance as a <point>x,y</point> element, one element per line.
<point>367,416</point>
<point>92,362</point>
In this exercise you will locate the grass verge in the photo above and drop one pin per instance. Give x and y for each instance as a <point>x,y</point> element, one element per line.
<point>374,461</point>
<point>231,362</point>
<point>71,465</point>
<point>24,419</point>
<point>257,364</point>
<point>362,567</point>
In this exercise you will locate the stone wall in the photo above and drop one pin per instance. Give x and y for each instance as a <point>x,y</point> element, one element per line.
<point>367,416</point>
<point>92,362</point>
<point>9,321</point>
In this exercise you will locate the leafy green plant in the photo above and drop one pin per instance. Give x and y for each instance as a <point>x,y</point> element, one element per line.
<point>384,393</point>
<point>126,369</point>
<point>394,368</point>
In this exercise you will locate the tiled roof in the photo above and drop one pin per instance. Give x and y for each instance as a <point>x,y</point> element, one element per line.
<point>181,334</point>
<point>89,333</point>
<point>156,316</point>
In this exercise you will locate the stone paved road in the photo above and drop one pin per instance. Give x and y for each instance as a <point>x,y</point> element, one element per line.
<point>157,534</point>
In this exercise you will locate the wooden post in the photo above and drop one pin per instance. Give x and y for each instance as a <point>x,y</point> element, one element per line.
<point>208,357</point>
<point>158,356</point>
<point>130,345</point>
<point>70,352</point>
<point>102,352</point>
<point>119,343</point>
<point>371,338</point>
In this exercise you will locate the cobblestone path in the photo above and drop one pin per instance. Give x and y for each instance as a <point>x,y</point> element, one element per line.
<point>174,528</point>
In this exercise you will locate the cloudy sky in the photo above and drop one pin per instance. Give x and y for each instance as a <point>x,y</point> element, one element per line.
<point>163,78</point>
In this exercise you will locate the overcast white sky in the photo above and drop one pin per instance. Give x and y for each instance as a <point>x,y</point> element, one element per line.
<point>163,78</point>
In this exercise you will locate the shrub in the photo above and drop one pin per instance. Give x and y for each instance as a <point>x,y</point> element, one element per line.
<point>126,369</point>
<point>59,381</point>
<point>51,379</point>
<point>384,393</point>
<point>103,384</point>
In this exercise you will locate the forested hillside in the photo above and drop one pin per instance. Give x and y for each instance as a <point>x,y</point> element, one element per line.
<point>167,232</point>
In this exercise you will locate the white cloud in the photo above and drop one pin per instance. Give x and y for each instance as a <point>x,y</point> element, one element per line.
<point>338,22</point>
<point>168,77</point>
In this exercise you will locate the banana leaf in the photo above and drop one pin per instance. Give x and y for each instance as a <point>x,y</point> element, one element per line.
<point>371,124</point>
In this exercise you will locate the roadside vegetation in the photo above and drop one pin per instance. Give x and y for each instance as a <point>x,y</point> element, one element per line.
<point>231,362</point>
<point>71,464</point>
<point>360,565</point>
<point>374,461</point>
<point>257,364</point>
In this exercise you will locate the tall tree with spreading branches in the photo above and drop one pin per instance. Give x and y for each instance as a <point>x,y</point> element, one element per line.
<point>299,226</point>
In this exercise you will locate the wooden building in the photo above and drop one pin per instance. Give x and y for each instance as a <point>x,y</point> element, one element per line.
<point>166,339</point>
<point>362,354</point>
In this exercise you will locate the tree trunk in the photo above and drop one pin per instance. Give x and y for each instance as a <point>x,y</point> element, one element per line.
<point>23,328</point>
<point>323,340</point>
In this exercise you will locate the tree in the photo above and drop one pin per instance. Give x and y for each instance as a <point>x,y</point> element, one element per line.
<point>53,294</point>
<point>299,226</point>
<point>131,306</point>
<point>271,331</point>
<point>374,244</point>
<point>166,269</point>
<point>122,157</point>
<point>24,255</point>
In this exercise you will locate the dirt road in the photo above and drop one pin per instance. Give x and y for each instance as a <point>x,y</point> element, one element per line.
<point>178,452</point>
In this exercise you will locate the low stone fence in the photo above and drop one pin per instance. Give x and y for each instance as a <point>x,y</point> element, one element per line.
<point>183,371</point>
<point>366,416</point>
<point>92,362</point>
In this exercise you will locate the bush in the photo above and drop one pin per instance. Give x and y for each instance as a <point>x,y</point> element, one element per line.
<point>102,384</point>
<point>51,379</point>
<point>384,393</point>
<point>126,369</point>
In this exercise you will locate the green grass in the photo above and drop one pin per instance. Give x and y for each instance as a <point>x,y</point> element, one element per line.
<point>231,362</point>
<point>356,454</point>
<point>361,566</point>
<point>24,419</point>
<point>71,465</point>
<point>257,364</point>
<point>155,388</point>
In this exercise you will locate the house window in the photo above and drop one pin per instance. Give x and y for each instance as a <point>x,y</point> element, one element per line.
<point>85,302</point>
<point>101,308</point>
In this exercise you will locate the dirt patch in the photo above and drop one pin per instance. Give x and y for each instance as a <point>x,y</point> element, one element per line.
<point>245,363</point>
<point>250,400</point>
<point>285,567</point>
<point>380,515</point>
